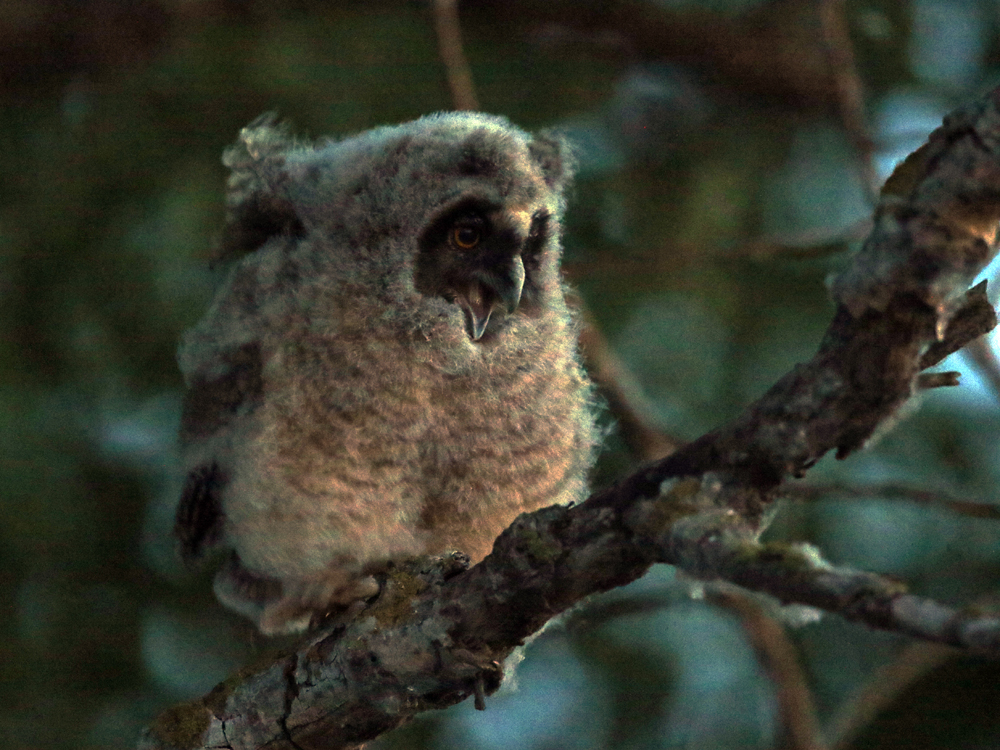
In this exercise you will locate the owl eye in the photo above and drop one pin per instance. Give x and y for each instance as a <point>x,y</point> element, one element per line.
<point>466,237</point>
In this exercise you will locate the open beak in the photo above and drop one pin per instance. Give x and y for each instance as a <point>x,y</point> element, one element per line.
<point>489,291</point>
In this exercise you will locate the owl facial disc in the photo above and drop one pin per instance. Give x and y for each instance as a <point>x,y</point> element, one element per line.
<point>489,290</point>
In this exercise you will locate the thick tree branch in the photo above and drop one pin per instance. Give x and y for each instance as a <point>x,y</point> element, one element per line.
<point>435,635</point>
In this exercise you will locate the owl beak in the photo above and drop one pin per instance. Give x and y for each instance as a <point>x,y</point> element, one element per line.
<point>488,291</point>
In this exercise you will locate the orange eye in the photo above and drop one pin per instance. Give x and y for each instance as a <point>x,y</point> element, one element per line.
<point>466,237</point>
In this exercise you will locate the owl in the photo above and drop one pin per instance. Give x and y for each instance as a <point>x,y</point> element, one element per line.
<point>388,367</point>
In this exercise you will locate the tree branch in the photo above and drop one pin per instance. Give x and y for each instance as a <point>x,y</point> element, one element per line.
<point>449,34</point>
<point>980,509</point>
<point>436,634</point>
<point>625,399</point>
<point>780,659</point>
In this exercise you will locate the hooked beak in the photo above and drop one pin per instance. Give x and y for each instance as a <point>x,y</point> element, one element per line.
<point>488,291</point>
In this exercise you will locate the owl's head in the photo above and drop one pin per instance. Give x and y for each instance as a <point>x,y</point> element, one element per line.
<point>459,207</point>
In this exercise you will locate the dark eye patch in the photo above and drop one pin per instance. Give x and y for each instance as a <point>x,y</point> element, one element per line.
<point>468,231</point>
<point>470,213</point>
<point>441,255</point>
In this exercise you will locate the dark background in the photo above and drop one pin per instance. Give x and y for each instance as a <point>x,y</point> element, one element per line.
<point>729,151</point>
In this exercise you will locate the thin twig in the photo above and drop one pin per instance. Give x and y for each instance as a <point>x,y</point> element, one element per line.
<point>847,87</point>
<point>449,34</point>
<point>884,687</point>
<point>648,267</point>
<point>897,493</point>
<point>624,396</point>
<point>800,729</point>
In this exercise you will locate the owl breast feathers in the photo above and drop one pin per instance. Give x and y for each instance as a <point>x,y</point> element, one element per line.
<point>388,367</point>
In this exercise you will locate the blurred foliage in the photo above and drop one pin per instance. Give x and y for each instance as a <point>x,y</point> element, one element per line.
<point>721,180</point>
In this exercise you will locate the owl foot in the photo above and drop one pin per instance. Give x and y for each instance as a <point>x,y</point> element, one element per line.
<point>293,605</point>
<point>305,602</point>
<point>242,591</point>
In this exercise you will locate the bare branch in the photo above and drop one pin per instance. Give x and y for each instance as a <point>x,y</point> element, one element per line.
<point>887,684</point>
<point>800,729</point>
<point>624,396</point>
<point>449,33</point>
<point>847,84</point>
<point>797,574</point>
<point>896,492</point>
<point>435,636</point>
<point>349,683</point>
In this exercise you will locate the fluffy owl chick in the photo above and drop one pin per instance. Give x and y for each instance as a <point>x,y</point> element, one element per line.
<point>388,367</point>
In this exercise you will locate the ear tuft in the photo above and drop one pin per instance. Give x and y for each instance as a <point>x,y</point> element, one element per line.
<point>257,207</point>
<point>552,154</point>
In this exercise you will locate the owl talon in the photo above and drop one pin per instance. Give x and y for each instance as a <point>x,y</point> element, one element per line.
<point>306,603</point>
<point>281,619</point>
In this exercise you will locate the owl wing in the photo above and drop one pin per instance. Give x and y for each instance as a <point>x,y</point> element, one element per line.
<point>223,368</point>
<point>257,205</point>
<point>211,403</point>
<point>209,408</point>
<point>198,523</point>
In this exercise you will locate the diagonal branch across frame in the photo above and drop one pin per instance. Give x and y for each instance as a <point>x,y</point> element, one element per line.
<point>437,633</point>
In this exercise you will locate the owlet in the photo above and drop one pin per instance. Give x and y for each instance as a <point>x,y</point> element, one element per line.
<point>388,367</point>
